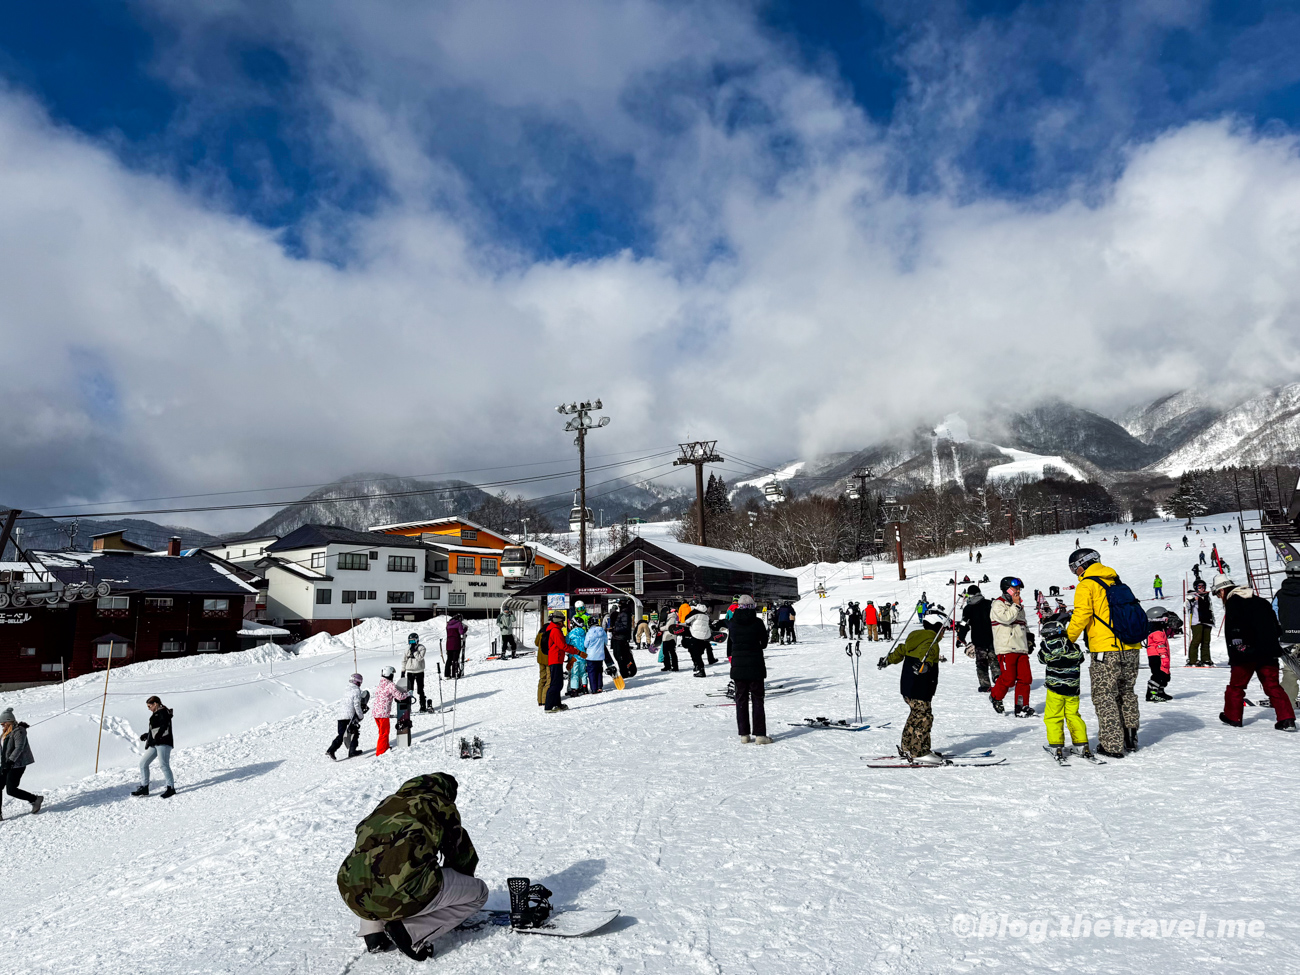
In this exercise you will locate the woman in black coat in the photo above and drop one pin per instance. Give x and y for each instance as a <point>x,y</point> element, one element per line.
<point>745,644</point>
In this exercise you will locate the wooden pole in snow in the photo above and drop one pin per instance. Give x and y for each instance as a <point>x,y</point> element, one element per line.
<point>103,705</point>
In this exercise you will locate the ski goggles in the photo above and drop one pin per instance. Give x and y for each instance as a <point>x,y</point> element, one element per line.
<point>1015,584</point>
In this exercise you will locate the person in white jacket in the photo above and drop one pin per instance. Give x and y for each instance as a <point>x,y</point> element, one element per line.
<point>413,668</point>
<point>349,713</point>
<point>1011,644</point>
<point>698,631</point>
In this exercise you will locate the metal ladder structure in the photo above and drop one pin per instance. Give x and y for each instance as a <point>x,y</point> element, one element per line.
<point>1278,512</point>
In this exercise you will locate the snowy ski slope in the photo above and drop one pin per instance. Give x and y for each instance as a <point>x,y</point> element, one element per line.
<point>789,858</point>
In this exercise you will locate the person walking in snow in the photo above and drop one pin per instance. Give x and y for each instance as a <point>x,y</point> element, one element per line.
<point>643,633</point>
<point>620,640</point>
<point>785,623</point>
<point>1200,617</point>
<point>157,744</point>
<point>1113,666</point>
<point>886,619</point>
<point>351,709</point>
<point>1158,586</point>
<point>457,631</point>
<point>413,668</point>
<point>557,648</point>
<point>746,640</point>
<point>594,644</point>
<point>1158,656</point>
<point>1185,545</point>
<point>844,618</point>
<point>1063,660</point>
<point>668,644</point>
<point>410,876</point>
<point>1254,648</point>
<point>385,693</point>
<point>506,625</point>
<point>15,757</point>
<point>976,626</point>
<point>696,638</point>
<point>856,618</point>
<point>919,654</point>
<point>1011,643</point>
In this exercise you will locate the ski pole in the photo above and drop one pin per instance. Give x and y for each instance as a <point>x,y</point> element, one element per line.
<point>900,633</point>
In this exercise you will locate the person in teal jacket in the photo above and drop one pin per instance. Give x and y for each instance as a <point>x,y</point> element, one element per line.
<point>577,638</point>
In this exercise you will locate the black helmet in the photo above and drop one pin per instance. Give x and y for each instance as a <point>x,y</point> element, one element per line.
<point>1051,631</point>
<point>1010,582</point>
<point>1083,557</point>
<point>1200,584</point>
<point>974,591</point>
<point>413,638</point>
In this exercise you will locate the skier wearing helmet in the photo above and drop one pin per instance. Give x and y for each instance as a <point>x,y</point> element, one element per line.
<point>975,623</point>
<point>1200,616</point>
<point>349,713</point>
<point>1011,643</point>
<point>385,693</point>
<point>1114,665</point>
<point>919,655</point>
<point>1252,632</point>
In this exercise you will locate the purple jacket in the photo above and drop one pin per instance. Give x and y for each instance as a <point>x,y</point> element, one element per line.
<point>455,636</point>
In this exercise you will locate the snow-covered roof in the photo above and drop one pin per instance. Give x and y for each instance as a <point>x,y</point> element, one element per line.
<point>263,630</point>
<point>546,552</point>
<point>719,558</point>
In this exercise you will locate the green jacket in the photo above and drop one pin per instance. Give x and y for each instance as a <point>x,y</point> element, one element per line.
<point>919,654</point>
<point>922,644</point>
<point>393,871</point>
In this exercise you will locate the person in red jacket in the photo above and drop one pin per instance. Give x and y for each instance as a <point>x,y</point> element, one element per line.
<point>557,648</point>
<point>872,620</point>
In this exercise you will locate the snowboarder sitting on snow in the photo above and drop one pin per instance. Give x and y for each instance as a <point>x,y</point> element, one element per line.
<point>1063,660</point>
<point>919,654</point>
<point>410,876</point>
<point>1158,655</point>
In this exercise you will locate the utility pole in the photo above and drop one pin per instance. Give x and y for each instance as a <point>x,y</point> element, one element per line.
<point>698,453</point>
<point>581,421</point>
<point>7,530</point>
<point>1011,523</point>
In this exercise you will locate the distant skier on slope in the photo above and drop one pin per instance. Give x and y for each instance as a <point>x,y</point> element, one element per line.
<point>919,655</point>
<point>410,876</point>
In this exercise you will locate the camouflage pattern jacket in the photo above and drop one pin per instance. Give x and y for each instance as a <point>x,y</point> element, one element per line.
<point>393,871</point>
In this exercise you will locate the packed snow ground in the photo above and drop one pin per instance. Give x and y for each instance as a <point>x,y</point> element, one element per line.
<point>789,858</point>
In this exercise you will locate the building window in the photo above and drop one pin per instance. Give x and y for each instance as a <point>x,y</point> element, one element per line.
<point>27,652</point>
<point>439,565</point>
<point>218,606</point>
<point>318,560</point>
<point>349,596</point>
<point>401,597</point>
<point>354,560</point>
<point>401,563</point>
<point>173,645</point>
<point>158,604</point>
<point>114,602</point>
<point>245,555</point>
<point>374,555</point>
<point>119,650</point>
<point>465,565</point>
<point>209,646</point>
<point>468,535</point>
<point>54,668</point>
<point>487,567</point>
<point>455,599</point>
<point>324,597</point>
<point>433,592</point>
<point>372,595</point>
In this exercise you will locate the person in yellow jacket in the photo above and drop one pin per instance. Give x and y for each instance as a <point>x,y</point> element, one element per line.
<point>1114,666</point>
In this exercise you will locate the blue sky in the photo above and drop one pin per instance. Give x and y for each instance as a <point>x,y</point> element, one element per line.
<point>1011,99</point>
<point>278,241</point>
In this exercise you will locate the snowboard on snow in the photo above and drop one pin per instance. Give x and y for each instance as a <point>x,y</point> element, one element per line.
<point>561,924</point>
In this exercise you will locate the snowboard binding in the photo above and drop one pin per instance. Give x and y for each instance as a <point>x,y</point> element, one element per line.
<point>530,904</point>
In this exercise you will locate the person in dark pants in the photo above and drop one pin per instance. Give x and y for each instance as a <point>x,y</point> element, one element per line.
<point>413,669</point>
<point>15,756</point>
<point>976,625</point>
<point>747,638</point>
<point>349,714</point>
<point>557,648</point>
<point>696,637</point>
<point>456,633</point>
<point>620,640</point>
<point>670,648</point>
<point>1252,632</point>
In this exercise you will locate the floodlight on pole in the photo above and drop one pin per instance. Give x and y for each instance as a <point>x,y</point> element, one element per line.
<point>580,422</point>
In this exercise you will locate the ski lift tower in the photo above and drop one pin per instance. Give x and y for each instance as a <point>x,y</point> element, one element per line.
<point>1279,525</point>
<point>580,421</point>
<point>697,454</point>
<point>895,517</point>
<point>858,493</point>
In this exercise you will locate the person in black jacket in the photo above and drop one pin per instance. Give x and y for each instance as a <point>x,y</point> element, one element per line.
<point>1252,632</point>
<point>157,744</point>
<point>15,756</point>
<point>746,640</point>
<point>975,623</point>
<point>620,640</point>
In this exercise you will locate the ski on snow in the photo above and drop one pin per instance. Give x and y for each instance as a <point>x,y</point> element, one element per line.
<point>842,724</point>
<point>977,759</point>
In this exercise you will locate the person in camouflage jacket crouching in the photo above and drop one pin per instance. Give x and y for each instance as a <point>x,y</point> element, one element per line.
<point>410,876</point>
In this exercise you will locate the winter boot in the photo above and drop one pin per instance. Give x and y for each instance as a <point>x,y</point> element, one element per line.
<point>142,791</point>
<point>397,932</point>
<point>1287,725</point>
<point>1227,720</point>
<point>1024,711</point>
<point>331,755</point>
<point>379,942</point>
<point>40,800</point>
<point>746,739</point>
<point>1108,753</point>
<point>998,706</point>
<point>168,792</point>
<point>1153,695</point>
<point>985,688</point>
<point>1131,739</point>
<point>929,758</point>
<point>762,740</point>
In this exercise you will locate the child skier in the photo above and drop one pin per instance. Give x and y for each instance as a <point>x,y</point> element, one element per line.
<point>1063,660</point>
<point>596,641</point>
<point>919,654</point>
<point>577,638</point>
<point>1158,654</point>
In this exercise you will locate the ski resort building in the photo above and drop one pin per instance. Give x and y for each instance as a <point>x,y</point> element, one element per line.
<point>477,585</point>
<point>663,574</point>
<point>147,606</point>
<point>324,577</point>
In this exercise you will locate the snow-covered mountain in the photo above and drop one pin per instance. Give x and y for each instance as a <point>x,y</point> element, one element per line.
<point>1172,420</point>
<point>1263,430</point>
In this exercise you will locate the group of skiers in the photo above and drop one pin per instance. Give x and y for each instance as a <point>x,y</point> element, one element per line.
<point>876,620</point>
<point>1116,632</point>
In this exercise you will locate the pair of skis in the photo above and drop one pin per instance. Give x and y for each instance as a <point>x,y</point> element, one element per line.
<point>1062,756</point>
<point>974,760</point>
<point>471,749</point>
<point>842,724</point>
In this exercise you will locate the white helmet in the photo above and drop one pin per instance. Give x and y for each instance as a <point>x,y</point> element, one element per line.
<point>387,672</point>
